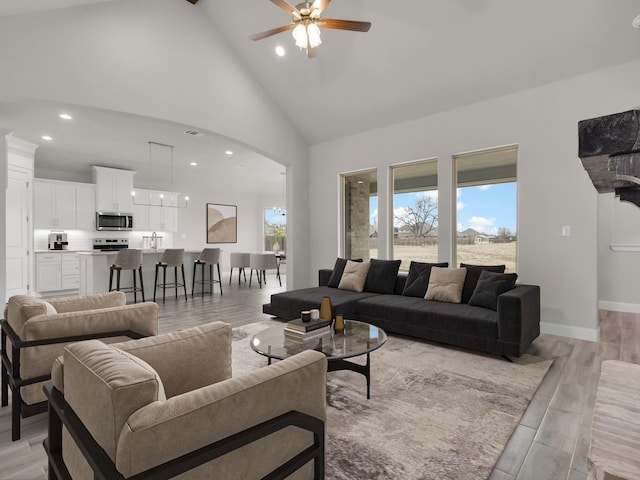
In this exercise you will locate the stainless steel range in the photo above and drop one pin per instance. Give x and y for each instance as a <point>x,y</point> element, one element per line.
<point>110,244</point>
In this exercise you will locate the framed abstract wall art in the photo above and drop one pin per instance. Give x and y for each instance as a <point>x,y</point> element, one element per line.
<point>222,225</point>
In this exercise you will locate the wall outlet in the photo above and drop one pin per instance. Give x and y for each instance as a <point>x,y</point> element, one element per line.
<point>566,230</point>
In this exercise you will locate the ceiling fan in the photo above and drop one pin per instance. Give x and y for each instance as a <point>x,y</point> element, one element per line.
<point>306,23</point>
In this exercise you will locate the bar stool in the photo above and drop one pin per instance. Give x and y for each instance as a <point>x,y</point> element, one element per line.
<point>260,262</point>
<point>127,259</point>
<point>171,257</point>
<point>211,257</point>
<point>239,260</point>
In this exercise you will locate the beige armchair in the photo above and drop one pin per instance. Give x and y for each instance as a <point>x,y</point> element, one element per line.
<point>167,405</point>
<point>35,331</point>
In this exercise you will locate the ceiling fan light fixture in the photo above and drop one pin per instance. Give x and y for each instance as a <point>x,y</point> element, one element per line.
<point>313,32</point>
<point>307,35</point>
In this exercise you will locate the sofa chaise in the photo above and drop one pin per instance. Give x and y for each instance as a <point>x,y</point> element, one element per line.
<point>507,328</point>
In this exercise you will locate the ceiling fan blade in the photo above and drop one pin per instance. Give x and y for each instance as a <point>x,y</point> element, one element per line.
<point>273,31</point>
<point>312,52</point>
<point>290,9</point>
<point>320,5</point>
<point>344,24</point>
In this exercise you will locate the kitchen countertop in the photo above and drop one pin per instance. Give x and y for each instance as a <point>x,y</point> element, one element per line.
<point>144,252</point>
<point>100,252</point>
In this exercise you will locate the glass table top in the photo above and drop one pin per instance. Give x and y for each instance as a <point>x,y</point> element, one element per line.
<point>358,338</point>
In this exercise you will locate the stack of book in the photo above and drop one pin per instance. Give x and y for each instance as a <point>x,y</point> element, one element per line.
<point>299,331</point>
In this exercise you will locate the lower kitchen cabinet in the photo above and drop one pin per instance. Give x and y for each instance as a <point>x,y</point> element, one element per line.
<point>57,272</point>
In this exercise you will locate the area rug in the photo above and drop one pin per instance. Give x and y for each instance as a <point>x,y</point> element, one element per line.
<point>435,412</point>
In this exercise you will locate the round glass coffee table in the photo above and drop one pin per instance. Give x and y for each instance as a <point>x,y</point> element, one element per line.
<point>358,338</point>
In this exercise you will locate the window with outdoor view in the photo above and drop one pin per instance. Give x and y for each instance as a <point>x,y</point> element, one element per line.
<point>359,215</point>
<point>486,213</point>
<point>415,212</point>
<point>275,230</point>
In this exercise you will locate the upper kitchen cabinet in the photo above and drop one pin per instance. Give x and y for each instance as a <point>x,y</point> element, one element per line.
<point>163,211</point>
<point>63,205</point>
<point>113,189</point>
<point>141,209</point>
<point>54,204</point>
<point>85,206</point>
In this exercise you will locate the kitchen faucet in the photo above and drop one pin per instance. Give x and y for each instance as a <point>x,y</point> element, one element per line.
<point>154,241</point>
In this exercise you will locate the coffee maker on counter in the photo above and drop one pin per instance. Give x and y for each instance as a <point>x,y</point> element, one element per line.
<point>58,241</point>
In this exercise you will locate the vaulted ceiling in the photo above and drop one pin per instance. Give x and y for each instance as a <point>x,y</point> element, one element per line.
<point>419,58</point>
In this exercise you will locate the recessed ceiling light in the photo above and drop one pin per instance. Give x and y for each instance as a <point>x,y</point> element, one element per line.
<point>228,152</point>
<point>280,51</point>
<point>46,137</point>
<point>65,116</point>
<point>193,164</point>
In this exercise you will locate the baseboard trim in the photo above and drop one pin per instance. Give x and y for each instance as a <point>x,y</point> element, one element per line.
<point>581,333</point>
<point>619,306</point>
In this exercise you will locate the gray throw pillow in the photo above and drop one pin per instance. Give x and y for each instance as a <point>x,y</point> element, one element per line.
<point>473,273</point>
<point>490,285</point>
<point>382,276</point>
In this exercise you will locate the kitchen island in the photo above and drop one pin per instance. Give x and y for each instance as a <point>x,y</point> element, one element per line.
<point>94,272</point>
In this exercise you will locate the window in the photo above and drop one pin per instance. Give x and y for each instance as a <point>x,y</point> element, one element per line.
<point>486,215</point>
<point>275,229</point>
<point>415,212</point>
<point>360,215</point>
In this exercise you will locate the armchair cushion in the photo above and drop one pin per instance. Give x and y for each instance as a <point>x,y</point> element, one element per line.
<point>21,308</point>
<point>188,359</point>
<point>105,385</point>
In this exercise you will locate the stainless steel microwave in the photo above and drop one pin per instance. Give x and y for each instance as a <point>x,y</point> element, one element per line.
<point>114,221</point>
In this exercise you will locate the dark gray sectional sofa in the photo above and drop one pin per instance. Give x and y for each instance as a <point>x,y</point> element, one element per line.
<point>507,331</point>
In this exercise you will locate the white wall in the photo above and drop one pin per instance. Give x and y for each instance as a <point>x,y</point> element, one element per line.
<point>619,229</point>
<point>553,188</point>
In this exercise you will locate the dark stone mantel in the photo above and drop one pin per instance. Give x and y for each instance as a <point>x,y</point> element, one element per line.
<point>609,148</point>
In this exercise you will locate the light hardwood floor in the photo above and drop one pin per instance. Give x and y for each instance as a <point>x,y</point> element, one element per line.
<point>551,441</point>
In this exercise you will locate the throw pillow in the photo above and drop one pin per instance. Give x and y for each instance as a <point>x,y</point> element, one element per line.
<point>489,286</point>
<point>354,276</point>
<point>382,276</point>
<point>418,278</point>
<point>473,273</point>
<point>338,269</point>
<point>445,284</point>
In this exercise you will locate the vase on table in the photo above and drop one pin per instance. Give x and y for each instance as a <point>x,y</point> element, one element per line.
<point>326,312</point>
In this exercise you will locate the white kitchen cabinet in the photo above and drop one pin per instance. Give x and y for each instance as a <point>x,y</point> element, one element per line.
<point>59,205</point>
<point>141,210</point>
<point>113,189</point>
<point>54,204</point>
<point>48,272</point>
<point>57,271</point>
<point>163,214</point>
<point>70,271</point>
<point>85,206</point>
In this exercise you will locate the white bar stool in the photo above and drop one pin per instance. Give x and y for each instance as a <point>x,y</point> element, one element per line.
<point>171,257</point>
<point>211,257</point>
<point>127,259</point>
